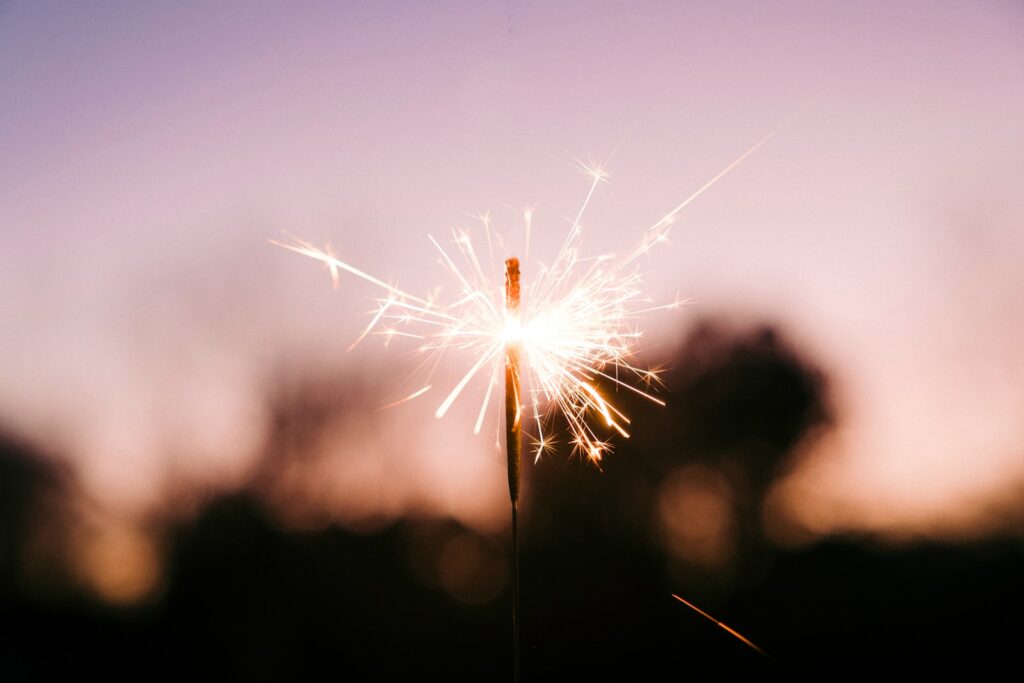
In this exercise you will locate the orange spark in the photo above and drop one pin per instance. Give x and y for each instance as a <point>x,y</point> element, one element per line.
<point>415,394</point>
<point>736,634</point>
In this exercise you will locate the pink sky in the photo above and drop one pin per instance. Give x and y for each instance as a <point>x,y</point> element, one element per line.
<point>148,153</point>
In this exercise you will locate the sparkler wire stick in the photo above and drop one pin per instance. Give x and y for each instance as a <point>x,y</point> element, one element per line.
<point>513,437</point>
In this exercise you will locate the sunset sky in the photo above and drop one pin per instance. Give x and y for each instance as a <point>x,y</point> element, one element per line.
<point>146,155</point>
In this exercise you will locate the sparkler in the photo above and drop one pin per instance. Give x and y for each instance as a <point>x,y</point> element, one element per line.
<point>575,330</point>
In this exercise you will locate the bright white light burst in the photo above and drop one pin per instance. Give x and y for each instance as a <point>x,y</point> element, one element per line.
<point>576,327</point>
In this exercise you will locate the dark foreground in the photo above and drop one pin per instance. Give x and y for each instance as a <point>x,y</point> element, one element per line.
<point>246,601</point>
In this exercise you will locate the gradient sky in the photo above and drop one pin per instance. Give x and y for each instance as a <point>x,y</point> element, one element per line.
<point>147,152</point>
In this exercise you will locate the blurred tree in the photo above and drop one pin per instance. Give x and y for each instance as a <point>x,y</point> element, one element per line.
<point>33,510</point>
<point>742,401</point>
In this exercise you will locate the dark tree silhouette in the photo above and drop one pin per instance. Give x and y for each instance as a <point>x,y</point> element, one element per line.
<point>34,493</point>
<point>743,401</point>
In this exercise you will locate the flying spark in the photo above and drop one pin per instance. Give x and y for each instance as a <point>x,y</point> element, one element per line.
<point>731,631</point>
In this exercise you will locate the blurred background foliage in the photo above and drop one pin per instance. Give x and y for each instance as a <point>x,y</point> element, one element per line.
<point>262,582</point>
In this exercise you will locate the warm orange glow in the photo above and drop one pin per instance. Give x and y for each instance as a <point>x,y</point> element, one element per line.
<point>695,514</point>
<point>120,564</point>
